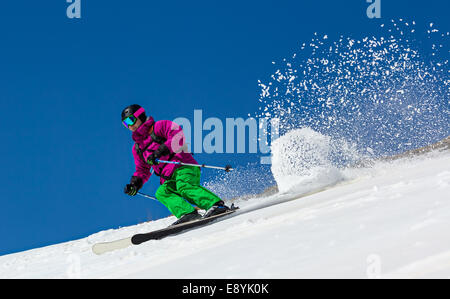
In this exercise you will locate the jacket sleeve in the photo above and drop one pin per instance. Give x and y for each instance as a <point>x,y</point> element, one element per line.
<point>142,169</point>
<point>175,140</point>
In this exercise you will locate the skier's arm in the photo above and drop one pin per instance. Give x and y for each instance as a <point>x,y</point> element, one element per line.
<point>173,133</point>
<point>142,169</point>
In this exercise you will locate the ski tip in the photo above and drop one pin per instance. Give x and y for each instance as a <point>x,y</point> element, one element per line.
<point>103,247</point>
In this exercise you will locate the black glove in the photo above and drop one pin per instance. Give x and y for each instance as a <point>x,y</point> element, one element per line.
<point>133,187</point>
<point>151,160</point>
<point>161,151</point>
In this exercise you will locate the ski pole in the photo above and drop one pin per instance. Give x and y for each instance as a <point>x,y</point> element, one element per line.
<point>147,196</point>
<point>226,168</point>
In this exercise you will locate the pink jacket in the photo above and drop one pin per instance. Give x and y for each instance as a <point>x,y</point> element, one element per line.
<point>175,141</point>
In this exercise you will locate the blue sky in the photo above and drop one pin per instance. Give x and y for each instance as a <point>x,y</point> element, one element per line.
<point>63,82</point>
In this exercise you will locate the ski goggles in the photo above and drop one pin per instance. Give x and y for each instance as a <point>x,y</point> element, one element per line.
<point>132,119</point>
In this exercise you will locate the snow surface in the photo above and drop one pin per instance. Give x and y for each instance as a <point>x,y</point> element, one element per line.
<point>390,220</point>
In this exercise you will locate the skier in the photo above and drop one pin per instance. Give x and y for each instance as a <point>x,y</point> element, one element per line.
<point>180,185</point>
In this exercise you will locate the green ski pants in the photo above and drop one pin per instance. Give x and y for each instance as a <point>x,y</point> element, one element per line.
<point>184,188</point>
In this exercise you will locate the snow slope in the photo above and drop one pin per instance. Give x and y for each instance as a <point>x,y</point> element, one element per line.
<point>391,220</point>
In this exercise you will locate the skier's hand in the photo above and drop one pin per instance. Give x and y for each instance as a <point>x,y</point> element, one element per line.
<point>133,187</point>
<point>162,150</point>
<point>130,189</point>
<point>152,160</point>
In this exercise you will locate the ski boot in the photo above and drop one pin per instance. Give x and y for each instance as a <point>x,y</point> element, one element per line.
<point>187,217</point>
<point>217,209</point>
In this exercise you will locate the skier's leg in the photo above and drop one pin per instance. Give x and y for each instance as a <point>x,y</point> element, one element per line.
<point>168,196</point>
<point>188,185</point>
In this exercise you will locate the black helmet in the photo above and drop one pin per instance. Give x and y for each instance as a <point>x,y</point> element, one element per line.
<point>132,109</point>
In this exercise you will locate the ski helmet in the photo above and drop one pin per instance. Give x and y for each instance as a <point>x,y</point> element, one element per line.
<point>131,110</point>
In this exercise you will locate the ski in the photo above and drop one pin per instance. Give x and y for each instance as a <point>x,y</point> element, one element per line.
<point>103,247</point>
<point>175,229</point>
